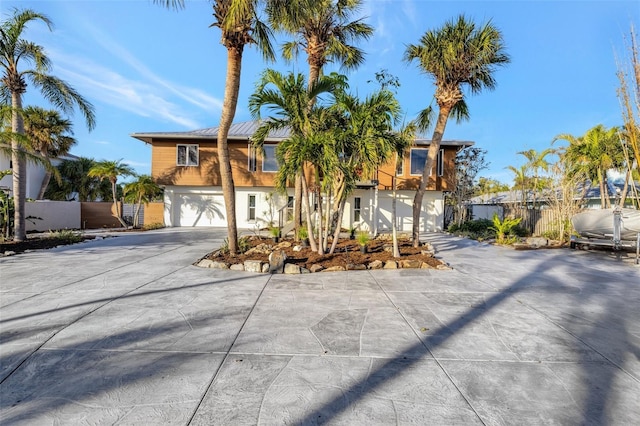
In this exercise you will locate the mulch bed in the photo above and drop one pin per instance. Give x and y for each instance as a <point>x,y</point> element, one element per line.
<point>36,243</point>
<point>347,253</point>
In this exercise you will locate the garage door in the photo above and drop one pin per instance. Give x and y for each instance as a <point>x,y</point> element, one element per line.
<point>198,210</point>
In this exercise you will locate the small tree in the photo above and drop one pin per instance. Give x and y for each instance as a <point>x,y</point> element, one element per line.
<point>469,162</point>
<point>142,190</point>
<point>111,170</point>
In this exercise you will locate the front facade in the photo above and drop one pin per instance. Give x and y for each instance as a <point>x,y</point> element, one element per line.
<point>186,164</point>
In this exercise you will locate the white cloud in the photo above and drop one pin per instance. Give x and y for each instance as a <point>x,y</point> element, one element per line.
<point>101,142</point>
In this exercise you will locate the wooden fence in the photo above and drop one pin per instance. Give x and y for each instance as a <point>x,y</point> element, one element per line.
<point>536,221</point>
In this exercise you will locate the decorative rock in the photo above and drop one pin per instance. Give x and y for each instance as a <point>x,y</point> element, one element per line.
<point>390,264</point>
<point>237,267</point>
<point>297,248</point>
<point>276,261</point>
<point>304,270</point>
<point>259,249</point>
<point>316,268</point>
<point>376,264</point>
<point>425,265</point>
<point>388,248</point>
<point>265,268</point>
<point>205,263</point>
<point>253,266</point>
<point>356,267</point>
<point>444,267</point>
<point>537,241</point>
<point>284,244</point>
<point>410,264</point>
<point>291,268</point>
<point>219,265</point>
<point>334,269</point>
<point>9,253</point>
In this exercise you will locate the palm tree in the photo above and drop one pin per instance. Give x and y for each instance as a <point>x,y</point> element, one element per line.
<point>593,155</point>
<point>521,181</point>
<point>110,170</point>
<point>287,97</point>
<point>324,30</point>
<point>238,21</point>
<point>49,136</point>
<point>536,161</point>
<point>15,51</point>
<point>141,190</point>
<point>457,55</point>
<point>75,182</point>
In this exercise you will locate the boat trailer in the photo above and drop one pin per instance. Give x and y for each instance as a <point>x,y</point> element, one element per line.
<point>615,241</point>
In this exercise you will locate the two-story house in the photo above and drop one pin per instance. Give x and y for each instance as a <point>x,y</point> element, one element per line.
<point>186,165</point>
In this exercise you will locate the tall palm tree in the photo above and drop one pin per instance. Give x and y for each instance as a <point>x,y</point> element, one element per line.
<point>49,135</point>
<point>287,97</point>
<point>536,161</point>
<point>111,170</point>
<point>521,181</point>
<point>14,52</point>
<point>323,29</point>
<point>141,190</point>
<point>458,55</point>
<point>239,24</point>
<point>593,154</point>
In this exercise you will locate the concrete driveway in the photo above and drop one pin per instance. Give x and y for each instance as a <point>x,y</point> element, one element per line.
<point>126,331</point>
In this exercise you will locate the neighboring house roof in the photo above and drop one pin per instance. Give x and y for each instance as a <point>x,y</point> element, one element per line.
<point>244,131</point>
<point>515,196</point>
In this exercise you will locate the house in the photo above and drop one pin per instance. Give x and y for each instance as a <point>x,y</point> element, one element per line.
<point>186,165</point>
<point>35,174</point>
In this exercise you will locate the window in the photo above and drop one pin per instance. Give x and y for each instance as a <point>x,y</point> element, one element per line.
<point>251,164</point>
<point>289,208</point>
<point>356,209</point>
<point>251,214</point>
<point>269,163</point>
<point>400,166</point>
<point>419,157</point>
<point>187,155</point>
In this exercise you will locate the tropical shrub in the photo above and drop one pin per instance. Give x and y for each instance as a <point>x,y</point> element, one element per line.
<point>504,229</point>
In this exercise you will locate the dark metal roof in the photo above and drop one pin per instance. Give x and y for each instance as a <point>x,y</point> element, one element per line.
<point>244,131</point>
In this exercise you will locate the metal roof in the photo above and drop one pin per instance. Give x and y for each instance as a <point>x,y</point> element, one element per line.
<point>244,130</point>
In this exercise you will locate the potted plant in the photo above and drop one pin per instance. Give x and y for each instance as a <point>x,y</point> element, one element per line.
<point>363,239</point>
<point>275,233</point>
<point>303,234</point>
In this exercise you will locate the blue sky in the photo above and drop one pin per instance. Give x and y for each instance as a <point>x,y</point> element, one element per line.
<point>146,69</point>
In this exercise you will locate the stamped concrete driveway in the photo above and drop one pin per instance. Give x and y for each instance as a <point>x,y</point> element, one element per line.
<point>126,331</point>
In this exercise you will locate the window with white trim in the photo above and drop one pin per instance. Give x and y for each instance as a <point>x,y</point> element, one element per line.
<point>419,158</point>
<point>252,158</point>
<point>357,202</point>
<point>269,162</point>
<point>187,155</point>
<point>251,211</point>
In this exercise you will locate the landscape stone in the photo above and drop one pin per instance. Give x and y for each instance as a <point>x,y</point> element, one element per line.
<point>297,248</point>
<point>265,268</point>
<point>356,267</point>
<point>537,241</point>
<point>376,264</point>
<point>283,244</point>
<point>316,268</point>
<point>253,266</point>
<point>334,269</point>
<point>276,261</point>
<point>205,263</point>
<point>410,264</point>
<point>237,267</point>
<point>390,264</point>
<point>425,265</point>
<point>291,268</point>
<point>219,265</point>
<point>444,267</point>
<point>304,270</point>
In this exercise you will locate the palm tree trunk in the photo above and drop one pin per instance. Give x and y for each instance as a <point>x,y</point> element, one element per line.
<point>19,170</point>
<point>336,232</point>
<point>441,124</point>
<point>394,231</point>
<point>231,89</point>
<point>43,186</point>
<point>116,207</point>
<point>305,200</point>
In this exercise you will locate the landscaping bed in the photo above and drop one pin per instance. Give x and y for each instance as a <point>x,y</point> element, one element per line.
<point>347,256</point>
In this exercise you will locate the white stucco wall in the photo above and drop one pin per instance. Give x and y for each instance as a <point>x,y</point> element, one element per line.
<point>52,215</point>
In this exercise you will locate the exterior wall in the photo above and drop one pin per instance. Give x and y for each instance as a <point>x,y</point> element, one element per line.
<point>165,171</point>
<point>379,220</point>
<point>205,206</point>
<point>52,215</point>
<point>35,173</point>
<point>406,181</point>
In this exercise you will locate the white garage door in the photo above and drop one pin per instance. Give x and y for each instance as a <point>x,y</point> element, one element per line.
<point>198,210</point>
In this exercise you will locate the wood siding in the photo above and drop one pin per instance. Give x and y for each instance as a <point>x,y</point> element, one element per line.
<point>406,181</point>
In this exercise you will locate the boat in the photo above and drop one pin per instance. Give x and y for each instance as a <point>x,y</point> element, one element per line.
<point>601,224</point>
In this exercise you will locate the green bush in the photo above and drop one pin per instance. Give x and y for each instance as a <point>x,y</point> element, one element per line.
<point>152,226</point>
<point>67,235</point>
<point>479,229</point>
<point>505,229</point>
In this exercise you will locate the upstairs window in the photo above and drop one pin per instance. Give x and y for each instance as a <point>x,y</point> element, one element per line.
<point>269,162</point>
<point>251,160</point>
<point>187,155</point>
<point>419,157</point>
